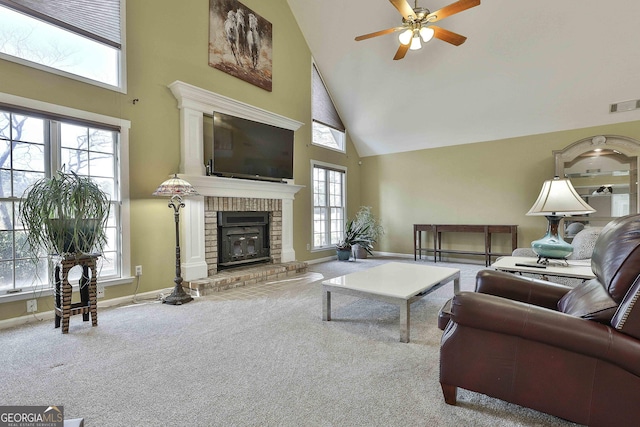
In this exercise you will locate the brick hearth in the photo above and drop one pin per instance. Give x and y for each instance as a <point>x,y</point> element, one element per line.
<point>244,276</point>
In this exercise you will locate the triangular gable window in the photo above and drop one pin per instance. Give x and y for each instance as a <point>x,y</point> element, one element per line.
<point>328,129</point>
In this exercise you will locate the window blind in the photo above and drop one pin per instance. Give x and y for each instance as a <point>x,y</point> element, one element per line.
<point>98,20</point>
<point>322,108</point>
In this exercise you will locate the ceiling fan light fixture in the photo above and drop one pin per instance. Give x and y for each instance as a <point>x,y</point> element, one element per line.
<point>426,34</point>
<point>405,37</point>
<point>416,25</point>
<point>415,42</point>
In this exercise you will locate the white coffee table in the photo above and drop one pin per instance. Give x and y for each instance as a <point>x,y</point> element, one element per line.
<point>393,282</point>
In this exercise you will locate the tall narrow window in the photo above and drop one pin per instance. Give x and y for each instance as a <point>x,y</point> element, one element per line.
<point>327,128</point>
<point>328,205</point>
<point>34,145</point>
<point>92,152</point>
<point>23,153</point>
<point>80,39</point>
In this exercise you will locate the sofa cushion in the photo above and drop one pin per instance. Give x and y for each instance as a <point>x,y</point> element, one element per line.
<point>574,228</point>
<point>589,300</point>
<point>584,242</point>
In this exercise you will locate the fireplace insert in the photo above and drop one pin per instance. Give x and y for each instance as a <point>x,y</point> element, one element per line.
<point>243,238</point>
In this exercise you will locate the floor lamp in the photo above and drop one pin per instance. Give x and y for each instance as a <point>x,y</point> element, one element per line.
<point>176,188</point>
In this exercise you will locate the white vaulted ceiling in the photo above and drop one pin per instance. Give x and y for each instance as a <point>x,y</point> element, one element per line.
<point>527,67</point>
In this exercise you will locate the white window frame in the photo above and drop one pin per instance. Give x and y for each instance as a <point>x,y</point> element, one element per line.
<point>343,169</point>
<point>122,61</point>
<point>125,222</point>
<point>342,146</point>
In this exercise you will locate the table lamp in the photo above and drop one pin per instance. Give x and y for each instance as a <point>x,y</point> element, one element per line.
<point>557,199</point>
<point>176,188</point>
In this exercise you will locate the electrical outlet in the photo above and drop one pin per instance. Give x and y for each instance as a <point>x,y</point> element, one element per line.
<point>138,270</point>
<point>100,291</point>
<point>308,246</point>
<point>32,305</point>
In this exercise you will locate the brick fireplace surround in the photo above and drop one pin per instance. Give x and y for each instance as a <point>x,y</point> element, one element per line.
<point>213,205</point>
<point>221,280</point>
<point>199,218</point>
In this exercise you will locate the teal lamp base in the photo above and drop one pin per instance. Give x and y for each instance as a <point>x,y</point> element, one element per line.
<point>551,245</point>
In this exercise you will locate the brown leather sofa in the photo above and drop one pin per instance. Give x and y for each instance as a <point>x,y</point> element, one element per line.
<point>570,352</point>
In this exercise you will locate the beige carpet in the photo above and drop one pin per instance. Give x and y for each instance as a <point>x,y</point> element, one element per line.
<point>263,361</point>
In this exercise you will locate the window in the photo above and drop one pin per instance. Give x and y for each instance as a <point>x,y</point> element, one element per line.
<point>34,144</point>
<point>81,40</point>
<point>327,137</point>
<point>328,205</point>
<point>327,128</point>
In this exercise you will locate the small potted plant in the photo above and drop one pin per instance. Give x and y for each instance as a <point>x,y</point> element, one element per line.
<point>354,234</point>
<point>64,215</point>
<point>364,217</point>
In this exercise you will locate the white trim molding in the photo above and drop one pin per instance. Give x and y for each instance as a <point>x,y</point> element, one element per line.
<point>123,178</point>
<point>193,103</point>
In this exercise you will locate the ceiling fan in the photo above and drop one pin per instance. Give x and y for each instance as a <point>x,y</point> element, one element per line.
<point>416,25</point>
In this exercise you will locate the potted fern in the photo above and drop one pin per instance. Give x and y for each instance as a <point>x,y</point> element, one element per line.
<point>64,215</point>
<point>364,217</point>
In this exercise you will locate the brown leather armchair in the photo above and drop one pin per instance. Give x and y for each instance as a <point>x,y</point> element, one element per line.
<point>570,352</point>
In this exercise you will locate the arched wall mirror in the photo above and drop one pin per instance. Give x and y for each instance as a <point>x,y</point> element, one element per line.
<point>604,171</point>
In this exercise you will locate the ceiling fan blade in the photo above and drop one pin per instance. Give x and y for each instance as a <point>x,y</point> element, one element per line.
<point>452,9</point>
<point>401,52</point>
<point>379,33</point>
<point>404,8</point>
<point>448,36</point>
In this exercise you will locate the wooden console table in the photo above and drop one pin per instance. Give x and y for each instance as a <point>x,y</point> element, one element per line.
<point>438,229</point>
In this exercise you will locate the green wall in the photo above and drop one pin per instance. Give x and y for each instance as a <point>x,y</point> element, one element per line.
<point>493,182</point>
<point>489,182</point>
<point>167,41</point>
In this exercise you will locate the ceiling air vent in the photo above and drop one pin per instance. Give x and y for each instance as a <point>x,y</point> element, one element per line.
<point>624,106</point>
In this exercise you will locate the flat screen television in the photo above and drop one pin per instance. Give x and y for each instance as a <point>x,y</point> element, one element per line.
<point>247,149</point>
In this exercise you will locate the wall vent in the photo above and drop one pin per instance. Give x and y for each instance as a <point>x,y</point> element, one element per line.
<point>624,106</point>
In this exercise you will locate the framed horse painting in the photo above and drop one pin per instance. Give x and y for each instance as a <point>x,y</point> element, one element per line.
<point>240,42</point>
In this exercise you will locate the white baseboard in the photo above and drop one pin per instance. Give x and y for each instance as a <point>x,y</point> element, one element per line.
<point>333,257</point>
<point>49,315</point>
<point>461,259</point>
<point>319,260</point>
<point>392,254</point>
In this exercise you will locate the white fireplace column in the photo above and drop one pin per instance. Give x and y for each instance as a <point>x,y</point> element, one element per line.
<point>193,103</point>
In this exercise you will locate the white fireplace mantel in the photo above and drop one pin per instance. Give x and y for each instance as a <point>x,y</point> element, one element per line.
<point>216,186</point>
<point>193,103</point>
